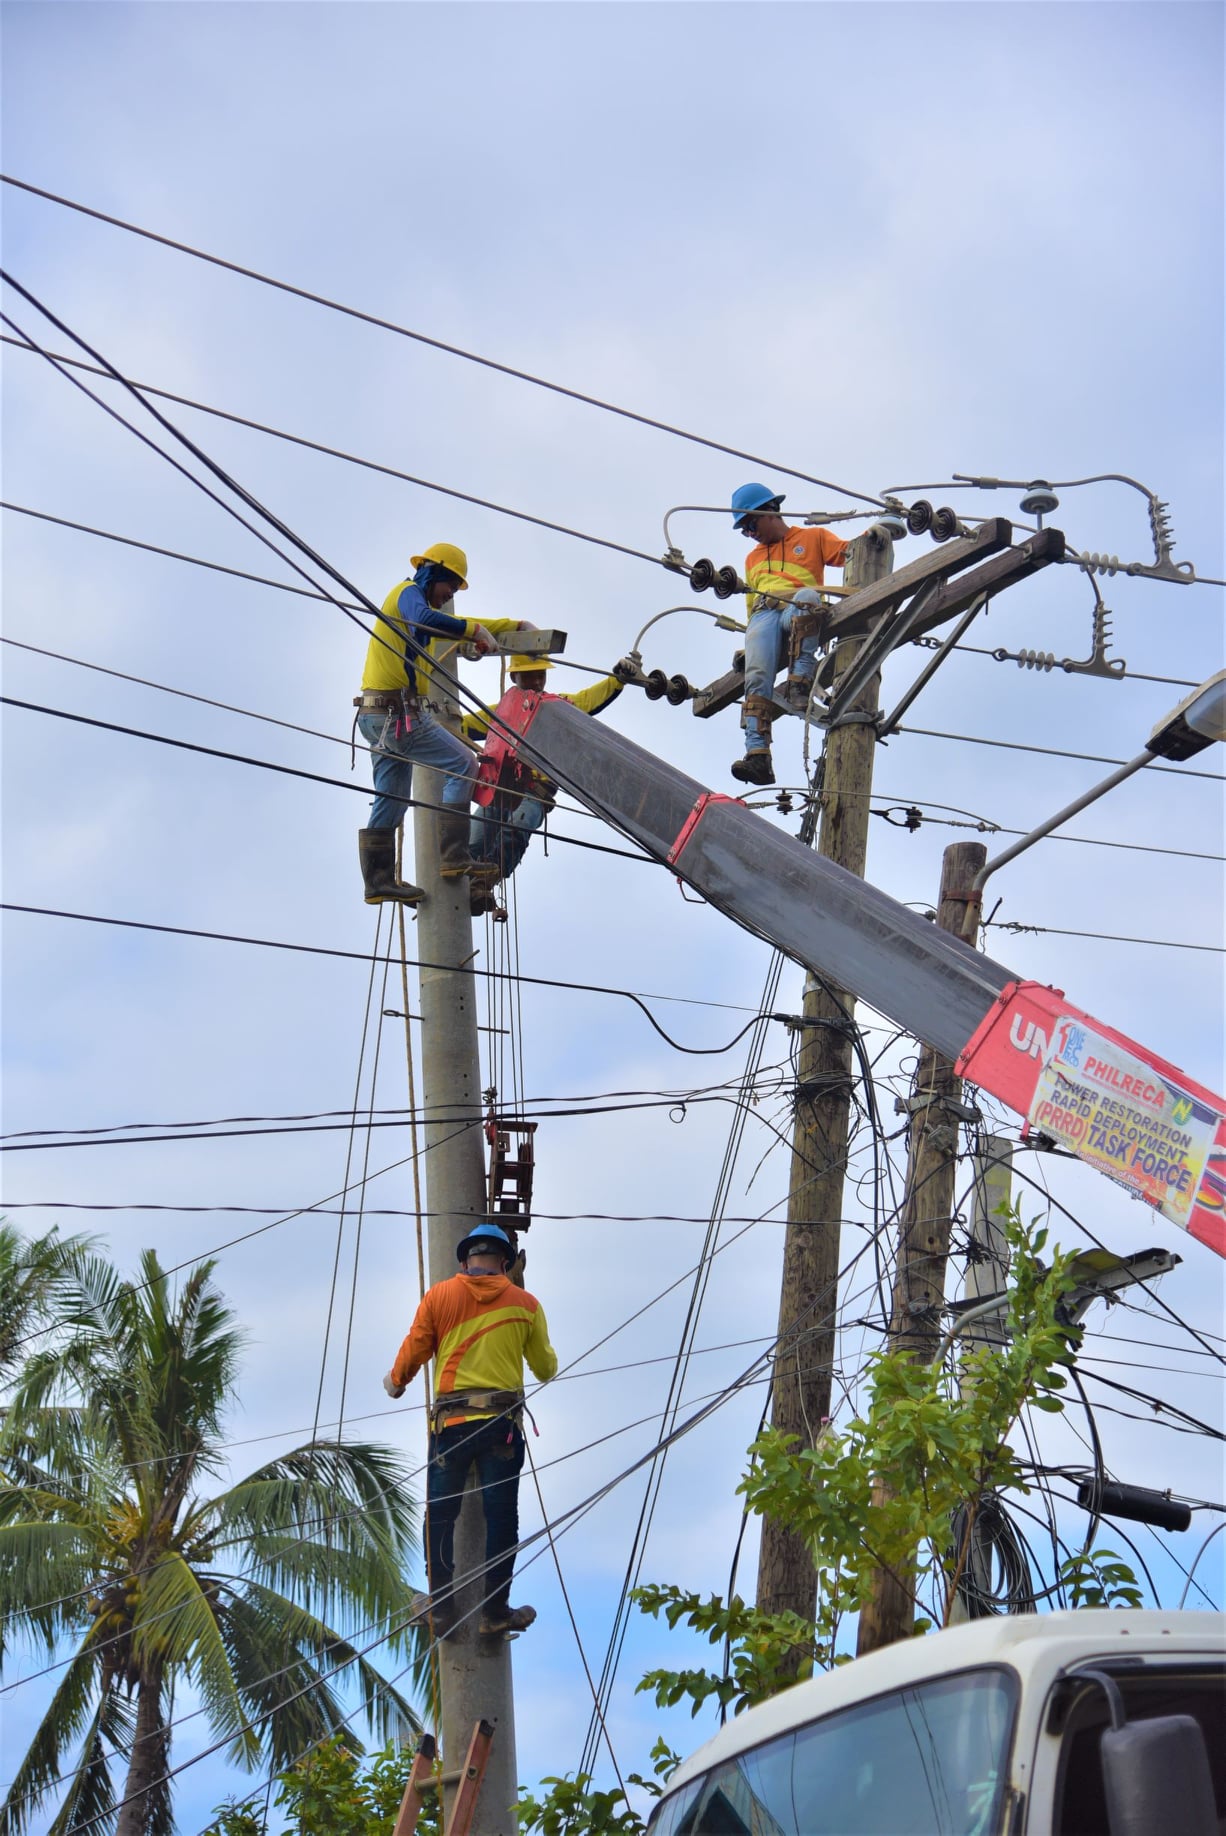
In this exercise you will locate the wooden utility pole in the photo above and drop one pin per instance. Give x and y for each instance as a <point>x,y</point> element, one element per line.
<point>923,1247</point>
<point>987,1271</point>
<point>474,1672</point>
<point>787,1580</point>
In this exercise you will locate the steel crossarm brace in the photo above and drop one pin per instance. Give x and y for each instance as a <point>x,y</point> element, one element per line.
<point>894,628</point>
<point>861,610</point>
<point>1077,1081</point>
<point>932,606</point>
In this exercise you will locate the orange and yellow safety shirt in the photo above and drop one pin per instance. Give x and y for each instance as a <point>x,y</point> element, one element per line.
<point>479,1329</point>
<point>799,560</point>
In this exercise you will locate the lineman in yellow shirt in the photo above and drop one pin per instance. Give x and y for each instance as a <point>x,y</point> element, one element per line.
<point>396,716</point>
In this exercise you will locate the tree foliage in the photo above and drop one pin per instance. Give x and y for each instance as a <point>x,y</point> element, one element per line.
<point>332,1791</point>
<point>260,1595</point>
<point>941,1437</point>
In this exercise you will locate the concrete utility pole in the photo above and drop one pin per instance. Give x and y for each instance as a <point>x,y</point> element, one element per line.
<point>923,1247</point>
<point>808,1295</point>
<point>474,1672</point>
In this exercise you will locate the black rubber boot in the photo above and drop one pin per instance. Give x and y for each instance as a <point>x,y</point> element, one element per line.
<point>377,857</point>
<point>754,768</point>
<point>482,894</point>
<point>454,856</point>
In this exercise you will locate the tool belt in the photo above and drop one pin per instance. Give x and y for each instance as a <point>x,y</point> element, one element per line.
<point>477,1402</point>
<point>392,698</point>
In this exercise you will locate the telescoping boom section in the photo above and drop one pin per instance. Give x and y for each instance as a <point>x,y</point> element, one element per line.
<point>1082,1084</point>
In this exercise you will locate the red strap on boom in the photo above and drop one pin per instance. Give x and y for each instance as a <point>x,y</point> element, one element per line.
<point>692,820</point>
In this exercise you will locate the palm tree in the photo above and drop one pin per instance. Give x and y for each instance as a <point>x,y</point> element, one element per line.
<point>258,1597</point>
<point>31,1271</point>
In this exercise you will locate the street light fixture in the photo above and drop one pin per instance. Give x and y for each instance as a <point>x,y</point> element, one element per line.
<point>1196,723</point>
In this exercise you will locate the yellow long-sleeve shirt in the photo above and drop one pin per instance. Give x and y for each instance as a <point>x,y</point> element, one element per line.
<point>393,663</point>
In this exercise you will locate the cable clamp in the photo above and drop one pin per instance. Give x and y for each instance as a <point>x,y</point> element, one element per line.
<point>692,820</point>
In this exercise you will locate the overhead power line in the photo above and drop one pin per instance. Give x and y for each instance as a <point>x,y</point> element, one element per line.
<point>334,452</point>
<point>1055,752</point>
<point>336,739</point>
<point>288,535</point>
<point>359,956</point>
<point>1052,930</point>
<point>287,771</point>
<point>438,344</point>
<point>173,554</point>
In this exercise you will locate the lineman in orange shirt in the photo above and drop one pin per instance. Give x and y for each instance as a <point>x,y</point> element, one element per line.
<point>783,573</point>
<point>479,1328</point>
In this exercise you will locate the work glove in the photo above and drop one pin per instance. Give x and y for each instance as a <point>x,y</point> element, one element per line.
<point>483,641</point>
<point>393,1388</point>
<point>806,596</point>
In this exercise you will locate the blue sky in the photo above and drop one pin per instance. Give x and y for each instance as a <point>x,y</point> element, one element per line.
<point>876,243</point>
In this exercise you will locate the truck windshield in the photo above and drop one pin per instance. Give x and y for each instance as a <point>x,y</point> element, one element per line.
<point>926,1761</point>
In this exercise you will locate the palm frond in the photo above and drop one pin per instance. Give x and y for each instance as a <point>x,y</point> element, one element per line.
<point>34,1273</point>
<point>354,1492</point>
<point>272,1624</point>
<point>90,1801</point>
<point>43,1767</point>
<point>290,1703</point>
<point>43,1570</point>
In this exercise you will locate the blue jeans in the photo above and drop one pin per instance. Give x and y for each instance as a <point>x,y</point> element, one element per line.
<point>500,835</point>
<point>426,742</point>
<point>765,649</point>
<point>496,1448</point>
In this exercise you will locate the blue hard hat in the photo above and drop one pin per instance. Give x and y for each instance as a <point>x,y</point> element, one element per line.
<point>484,1233</point>
<point>747,499</point>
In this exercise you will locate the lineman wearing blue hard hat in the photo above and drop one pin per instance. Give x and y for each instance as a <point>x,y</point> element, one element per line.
<point>479,1327</point>
<point>784,572</point>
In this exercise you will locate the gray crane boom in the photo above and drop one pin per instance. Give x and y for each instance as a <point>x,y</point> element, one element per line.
<point>1078,1082</point>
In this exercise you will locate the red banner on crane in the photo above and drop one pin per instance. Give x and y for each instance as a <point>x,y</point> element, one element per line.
<point>1108,1100</point>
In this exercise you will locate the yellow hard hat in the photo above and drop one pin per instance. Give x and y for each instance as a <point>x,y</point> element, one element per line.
<point>518,664</point>
<point>445,554</point>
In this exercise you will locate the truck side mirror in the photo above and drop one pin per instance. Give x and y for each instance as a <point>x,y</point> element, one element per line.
<point>1156,1778</point>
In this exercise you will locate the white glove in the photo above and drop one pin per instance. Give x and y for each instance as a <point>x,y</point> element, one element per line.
<point>806,596</point>
<point>483,641</point>
<point>392,1387</point>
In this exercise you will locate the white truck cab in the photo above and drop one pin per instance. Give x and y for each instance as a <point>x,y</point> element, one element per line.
<point>1091,1723</point>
